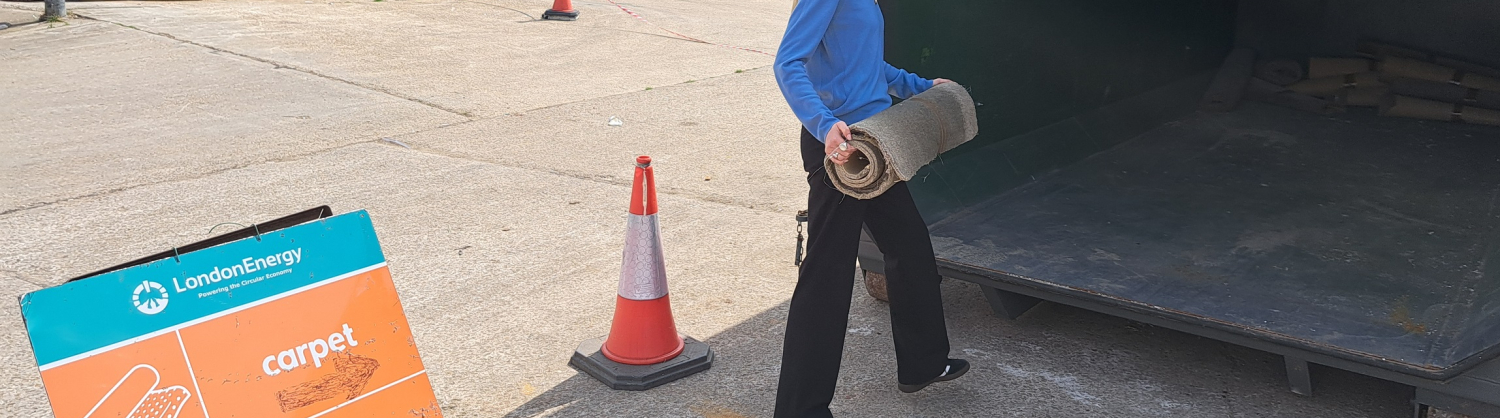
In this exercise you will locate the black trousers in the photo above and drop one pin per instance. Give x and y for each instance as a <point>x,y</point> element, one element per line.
<point>819,315</point>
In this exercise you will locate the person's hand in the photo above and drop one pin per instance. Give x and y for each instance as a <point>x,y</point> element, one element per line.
<point>834,144</point>
<point>937,81</point>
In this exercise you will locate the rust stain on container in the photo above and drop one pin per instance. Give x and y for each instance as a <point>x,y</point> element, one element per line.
<point>1401,316</point>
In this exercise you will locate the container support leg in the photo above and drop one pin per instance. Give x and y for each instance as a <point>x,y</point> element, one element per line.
<point>1298,375</point>
<point>1008,305</point>
<point>1427,400</point>
<point>1419,410</point>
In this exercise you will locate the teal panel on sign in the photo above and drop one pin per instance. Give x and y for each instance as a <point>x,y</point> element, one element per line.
<point>93,313</point>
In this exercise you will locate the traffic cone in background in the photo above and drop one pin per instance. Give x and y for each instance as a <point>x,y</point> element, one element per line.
<point>561,10</point>
<point>643,349</point>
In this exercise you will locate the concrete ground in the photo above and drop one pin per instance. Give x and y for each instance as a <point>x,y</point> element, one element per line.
<point>476,136</point>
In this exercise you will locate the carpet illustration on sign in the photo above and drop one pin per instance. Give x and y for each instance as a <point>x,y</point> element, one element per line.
<point>351,373</point>
<point>133,397</point>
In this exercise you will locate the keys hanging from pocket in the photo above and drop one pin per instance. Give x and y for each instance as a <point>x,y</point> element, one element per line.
<point>801,218</point>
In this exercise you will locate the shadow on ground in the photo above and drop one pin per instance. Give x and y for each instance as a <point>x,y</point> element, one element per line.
<point>1055,361</point>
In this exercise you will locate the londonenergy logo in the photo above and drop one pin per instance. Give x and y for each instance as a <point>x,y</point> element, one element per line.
<point>246,266</point>
<point>149,297</point>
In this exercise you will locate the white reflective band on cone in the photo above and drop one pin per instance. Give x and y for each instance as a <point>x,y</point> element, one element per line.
<point>643,272</point>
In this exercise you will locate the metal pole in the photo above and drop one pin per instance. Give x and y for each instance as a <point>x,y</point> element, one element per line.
<point>56,9</point>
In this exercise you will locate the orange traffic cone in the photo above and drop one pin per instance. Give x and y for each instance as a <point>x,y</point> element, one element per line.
<point>643,349</point>
<point>561,10</point>
<point>643,331</point>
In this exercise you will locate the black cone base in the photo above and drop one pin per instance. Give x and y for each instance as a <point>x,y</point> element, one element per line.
<point>695,357</point>
<point>560,15</point>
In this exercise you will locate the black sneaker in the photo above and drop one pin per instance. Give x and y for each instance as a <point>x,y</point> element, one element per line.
<point>956,368</point>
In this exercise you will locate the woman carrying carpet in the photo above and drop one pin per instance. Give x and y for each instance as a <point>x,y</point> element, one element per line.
<point>831,68</point>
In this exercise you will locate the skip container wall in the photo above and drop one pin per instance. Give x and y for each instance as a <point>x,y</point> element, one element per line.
<point>1350,240</point>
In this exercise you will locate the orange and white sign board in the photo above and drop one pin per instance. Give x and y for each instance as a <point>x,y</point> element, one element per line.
<point>303,322</point>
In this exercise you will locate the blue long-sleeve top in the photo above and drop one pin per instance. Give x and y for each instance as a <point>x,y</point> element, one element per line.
<point>831,64</point>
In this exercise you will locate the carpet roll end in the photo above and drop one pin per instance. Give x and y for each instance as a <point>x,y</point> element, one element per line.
<point>897,142</point>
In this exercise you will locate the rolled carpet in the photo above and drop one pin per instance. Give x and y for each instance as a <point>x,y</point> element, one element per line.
<point>1281,71</point>
<point>1361,96</point>
<point>897,142</point>
<point>1393,68</point>
<point>1411,107</point>
<point>1446,92</point>
<point>1228,86</point>
<point>1266,91</point>
<point>1328,67</point>
<point>1327,87</point>
<point>1378,50</point>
